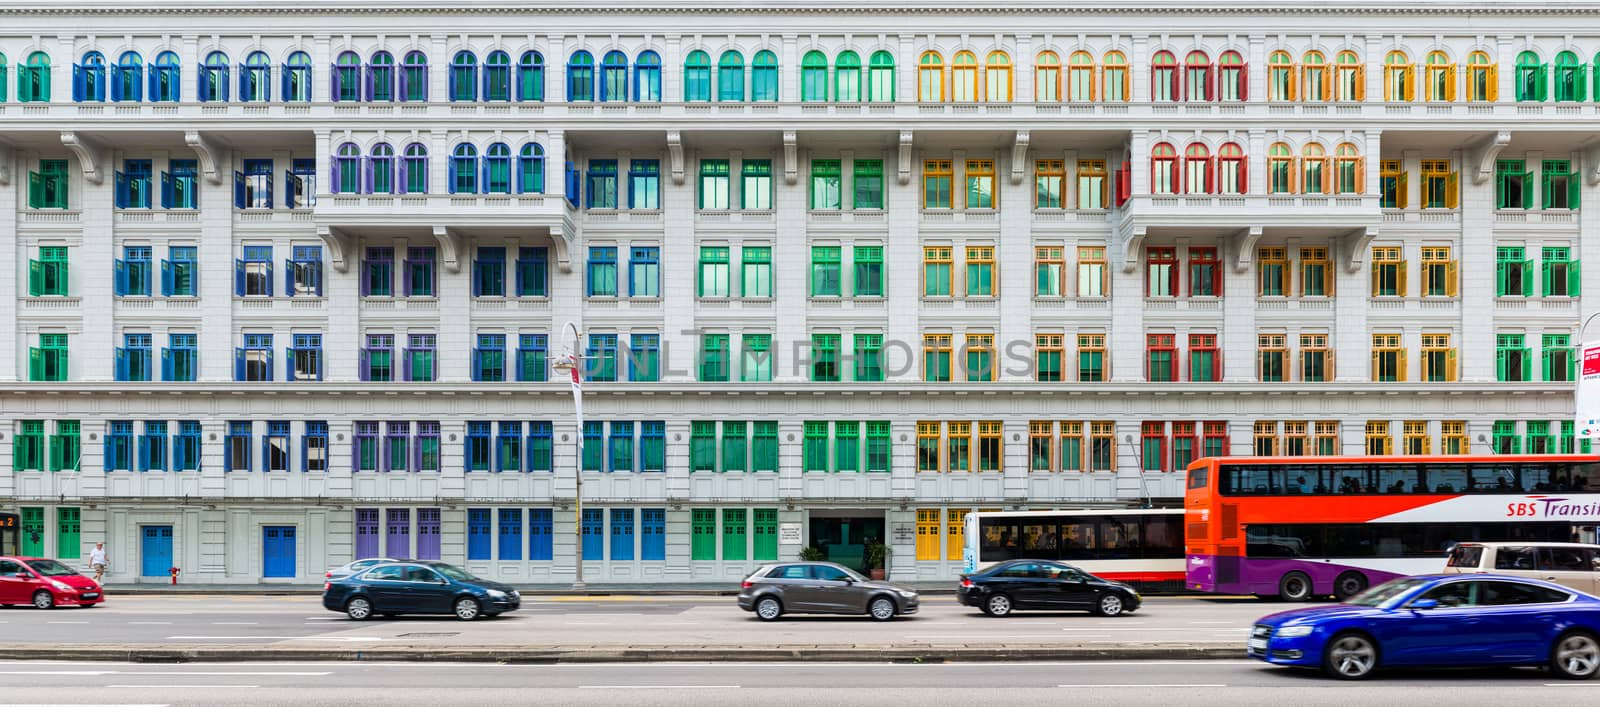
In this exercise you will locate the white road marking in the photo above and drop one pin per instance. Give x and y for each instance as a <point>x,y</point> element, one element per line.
<point>163,672</point>
<point>1149,685</point>
<point>66,622</point>
<point>1212,622</point>
<point>982,635</point>
<point>149,623</point>
<point>235,623</point>
<point>33,704</point>
<point>58,672</point>
<point>180,687</point>
<point>658,687</point>
<point>272,638</point>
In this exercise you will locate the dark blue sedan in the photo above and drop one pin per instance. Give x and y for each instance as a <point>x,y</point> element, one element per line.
<point>1439,621</point>
<point>418,588</point>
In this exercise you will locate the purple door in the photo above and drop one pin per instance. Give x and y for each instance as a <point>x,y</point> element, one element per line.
<point>428,534</point>
<point>399,545</point>
<point>366,533</point>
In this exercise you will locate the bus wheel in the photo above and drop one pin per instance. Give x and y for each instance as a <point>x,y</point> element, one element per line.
<point>1349,584</point>
<point>1295,586</point>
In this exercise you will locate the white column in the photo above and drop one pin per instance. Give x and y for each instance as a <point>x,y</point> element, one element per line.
<point>13,278</point>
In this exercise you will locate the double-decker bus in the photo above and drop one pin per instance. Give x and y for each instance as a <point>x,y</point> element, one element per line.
<point>1141,547</point>
<point>10,538</point>
<point>1300,527</point>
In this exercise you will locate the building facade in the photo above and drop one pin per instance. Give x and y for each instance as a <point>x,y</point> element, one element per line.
<point>842,272</point>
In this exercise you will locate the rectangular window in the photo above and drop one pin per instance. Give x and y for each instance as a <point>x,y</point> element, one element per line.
<point>1539,439</point>
<point>755,185</point>
<point>755,363</point>
<point>714,280</point>
<point>304,271</point>
<point>1453,437</point>
<point>1392,189</point>
<point>1505,440</point>
<point>180,274</point>
<point>714,184</point>
<point>1327,438</point>
<point>1438,272</point>
<point>1379,443</point>
<point>846,446</point>
<point>735,447</point>
<point>1204,358</point>
<point>1438,358</point>
<point>47,188</point>
<point>1153,446</point>
<point>814,450</point>
<point>980,271</point>
<point>48,276</point>
<point>755,272</point>
<point>958,446</point>
<point>508,447</point>
<point>1048,353</point>
<point>1161,272</point>
<point>133,185</point>
<point>937,181</point>
<point>826,185</point>
<point>489,358</point>
<point>826,273</point>
<point>1316,273</point>
<point>1274,269</point>
<point>1559,273</point>
<point>253,362</point>
<point>132,273</point>
<point>1272,351</point>
<point>1091,358</point>
<point>867,183</point>
<point>1049,176</point>
<point>989,445</point>
<point>306,357</point>
<point>1214,438</point>
<point>397,446</point>
<point>764,447</point>
<point>1204,273</point>
<point>1093,187</point>
<point>1513,359</point>
<point>928,450</point>
<point>878,446</point>
<point>1102,446</point>
<point>153,447</point>
<point>533,272</point>
<point>644,272</point>
<point>619,447</point>
<point>1388,272</point>
<point>652,446</point>
<point>937,264</point>
<point>1091,271</point>
<point>364,446</point>
<point>602,184</point>
<point>1296,438</point>
<point>27,447</point>
<point>419,356</point>
<point>979,352</point>
<point>1414,439</point>
<point>477,453</point>
<point>119,446</point>
<point>1266,438</point>
<point>644,184</point>
<point>644,357</point>
<point>237,446</point>
<point>936,350</point>
<point>377,273</point>
<point>600,362</point>
<point>1388,358</point>
<point>313,446</point>
<point>1316,359</point>
<point>1558,184</point>
<point>869,357</point>
<point>868,265</point>
<point>1161,354</point>
<point>1184,444</point>
<point>1558,358</point>
<point>533,357</point>
<point>133,360</point>
<point>539,446</point>
<point>1049,266</point>
<point>1512,185</point>
<point>714,358</point>
<point>275,447</point>
<point>1513,272</point>
<point>253,272</point>
<point>419,272</point>
<point>825,357</point>
<point>601,279</point>
<point>1041,445</point>
<point>1440,188</point>
<point>980,192</point>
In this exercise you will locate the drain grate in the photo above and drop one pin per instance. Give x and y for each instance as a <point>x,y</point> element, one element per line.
<point>430,635</point>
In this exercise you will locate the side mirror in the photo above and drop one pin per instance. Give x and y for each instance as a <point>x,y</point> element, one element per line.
<point>1424,605</point>
<point>849,580</point>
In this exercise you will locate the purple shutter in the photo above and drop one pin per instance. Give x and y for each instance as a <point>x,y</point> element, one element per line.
<point>366,533</point>
<point>365,362</point>
<point>405,82</point>
<point>367,171</point>
<point>405,365</point>
<point>428,534</point>
<point>399,544</point>
<point>372,82</point>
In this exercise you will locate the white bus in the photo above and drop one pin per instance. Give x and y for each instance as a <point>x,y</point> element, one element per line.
<point>1142,547</point>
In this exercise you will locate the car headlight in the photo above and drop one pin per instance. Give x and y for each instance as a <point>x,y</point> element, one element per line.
<point>496,594</point>
<point>60,585</point>
<point>907,593</point>
<point>1295,631</point>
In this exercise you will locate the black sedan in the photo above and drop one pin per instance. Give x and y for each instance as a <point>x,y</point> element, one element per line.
<point>1038,584</point>
<point>418,588</point>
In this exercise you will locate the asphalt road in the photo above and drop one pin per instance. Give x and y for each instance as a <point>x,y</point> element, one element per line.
<point>614,621</point>
<point>437,685</point>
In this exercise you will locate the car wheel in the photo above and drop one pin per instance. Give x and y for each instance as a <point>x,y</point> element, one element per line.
<point>768,609</point>
<point>467,608</point>
<point>1575,656</point>
<point>1295,586</point>
<point>358,609</point>
<point>43,600</point>
<point>998,605</point>
<point>1349,584</point>
<point>881,608</point>
<point>1350,656</point>
<point>1110,604</point>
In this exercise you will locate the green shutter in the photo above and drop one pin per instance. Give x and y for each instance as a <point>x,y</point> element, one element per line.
<point>67,525</point>
<point>765,449</point>
<point>703,446</point>
<point>1545,271</point>
<point>1527,281</point>
<point>1527,194</point>
<point>1544,361</point>
<point>35,364</point>
<point>1545,194</point>
<point>766,534</point>
<point>1500,364</point>
<point>1502,270</point>
<point>33,532</point>
<point>1574,281</point>
<point>703,526</point>
<point>1572,183</point>
<point>35,190</point>
<point>35,278</point>
<point>734,528</point>
<point>1527,364</point>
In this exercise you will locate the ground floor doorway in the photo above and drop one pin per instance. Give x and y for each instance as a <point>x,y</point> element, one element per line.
<point>843,535</point>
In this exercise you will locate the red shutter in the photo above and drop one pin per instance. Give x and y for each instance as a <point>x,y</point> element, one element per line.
<point>1244,175</point>
<point>1244,82</point>
<point>1124,184</point>
<point>1178,164</point>
<point>1211,82</point>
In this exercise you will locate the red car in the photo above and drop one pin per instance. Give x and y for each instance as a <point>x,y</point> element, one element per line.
<point>45,584</point>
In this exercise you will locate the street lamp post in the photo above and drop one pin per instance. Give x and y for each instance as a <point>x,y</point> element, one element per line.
<point>570,362</point>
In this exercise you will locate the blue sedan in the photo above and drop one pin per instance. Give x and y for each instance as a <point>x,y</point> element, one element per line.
<point>1439,621</point>
<point>419,587</point>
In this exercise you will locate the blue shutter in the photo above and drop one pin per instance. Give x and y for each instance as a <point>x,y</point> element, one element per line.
<point>283,81</point>
<point>238,189</point>
<point>166,364</point>
<point>269,364</point>
<point>268,278</point>
<point>223,82</point>
<point>121,190</point>
<point>238,364</point>
<point>166,190</point>
<point>166,278</point>
<point>316,274</point>
<point>477,364</point>
<point>288,277</point>
<point>122,364</point>
<point>238,278</point>
<point>119,277</point>
<point>288,364</point>
<point>78,89</point>
<point>105,452</point>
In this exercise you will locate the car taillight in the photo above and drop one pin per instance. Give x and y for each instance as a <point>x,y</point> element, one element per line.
<point>326,586</point>
<point>747,584</point>
<point>966,583</point>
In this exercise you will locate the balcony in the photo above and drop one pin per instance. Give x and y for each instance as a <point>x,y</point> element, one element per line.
<point>448,217</point>
<point>1246,217</point>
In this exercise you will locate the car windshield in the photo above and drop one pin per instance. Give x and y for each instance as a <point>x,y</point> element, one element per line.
<point>51,568</point>
<point>1384,593</point>
<point>455,573</point>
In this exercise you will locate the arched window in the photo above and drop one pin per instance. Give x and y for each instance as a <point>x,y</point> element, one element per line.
<point>214,77</point>
<point>614,77</point>
<point>997,77</point>
<point>1163,169</point>
<point>347,169</point>
<point>414,178</point>
<point>1280,169</point>
<point>1080,77</point>
<point>1163,77</point>
<point>464,169</point>
<point>530,169</point>
<point>814,76</point>
<point>1350,77</point>
<point>380,169</point>
<point>347,77</point>
<point>1281,81</point>
<point>764,77</point>
<point>127,80</point>
<point>530,76</point>
<point>1351,175</point>
<point>880,77</point>
<point>380,77</point>
<point>1398,83</point>
<point>930,77</point>
<point>89,78</point>
<point>33,79</point>
<point>497,76</point>
<point>165,83</point>
<point>1483,80</point>
<point>647,77</point>
<point>1197,78</point>
<point>964,77</point>
<point>1571,78</point>
<point>1233,78</point>
<point>697,77</point>
<point>580,76</point>
<point>1440,75</point>
<point>1314,169</point>
<point>1199,172</point>
<point>1316,77</point>
<point>464,76</point>
<point>1114,78</point>
<point>1532,77</point>
<point>296,77</point>
<point>497,169</point>
<point>255,78</point>
<point>414,77</point>
<point>1047,77</point>
<point>730,76</point>
<point>1231,169</point>
<point>847,78</point>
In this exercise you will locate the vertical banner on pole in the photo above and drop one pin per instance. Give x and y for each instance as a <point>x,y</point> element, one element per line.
<point>1587,399</point>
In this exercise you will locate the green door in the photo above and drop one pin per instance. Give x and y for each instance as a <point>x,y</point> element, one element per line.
<point>33,532</point>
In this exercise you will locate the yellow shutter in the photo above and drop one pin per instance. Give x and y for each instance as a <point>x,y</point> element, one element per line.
<point>1452,190</point>
<point>1127,76</point>
<point>1450,82</point>
<point>1328,175</point>
<point>1451,277</point>
<point>1408,82</point>
<point>1361,83</point>
<point>1294,82</point>
<point>1095,75</point>
<point>1400,282</point>
<point>1329,71</point>
<point>1294,175</point>
<point>1388,86</point>
<point>1493,83</point>
<point>1403,189</point>
<point>1374,372</point>
<point>1361,175</point>
<point>1450,365</point>
<point>1400,375</point>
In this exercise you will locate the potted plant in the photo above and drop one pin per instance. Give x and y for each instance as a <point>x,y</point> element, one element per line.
<point>812,554</point>
<point>876,555</point>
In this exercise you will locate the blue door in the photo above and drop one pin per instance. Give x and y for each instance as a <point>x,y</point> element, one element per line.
<point>155,550</point>
<point>277,551</point>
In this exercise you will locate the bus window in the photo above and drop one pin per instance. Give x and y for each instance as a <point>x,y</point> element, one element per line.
<point>1585,476</point>
<point>1444,478</point>
<point>1119,538</point>
<point>1199,476</point>
<point>1163,536</point>
<point>1283,540</point>
<point>1534,477</point>
<point>1078,541</point>
<point>1039,540</point>
<point>1351,479</point>
<point>1493,477</point>
<point>999,541</point>
<point>1302,479</point>
<point>1399,478</point>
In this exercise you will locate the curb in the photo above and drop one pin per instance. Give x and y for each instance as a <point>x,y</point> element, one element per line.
<point>619,654</point>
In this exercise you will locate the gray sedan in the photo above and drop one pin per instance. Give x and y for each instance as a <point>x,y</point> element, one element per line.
<point>821,588</point>
<point>351,568</point>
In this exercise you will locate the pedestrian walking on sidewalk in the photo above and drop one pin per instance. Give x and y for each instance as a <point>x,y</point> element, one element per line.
<point>97,561</point>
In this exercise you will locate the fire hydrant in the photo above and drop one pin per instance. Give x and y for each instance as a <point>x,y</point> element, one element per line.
<point>174,571</point>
